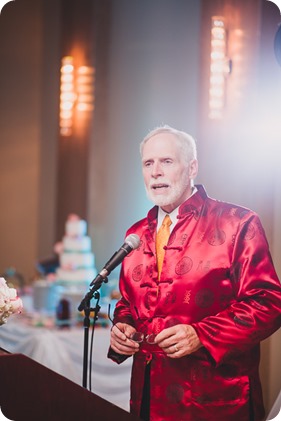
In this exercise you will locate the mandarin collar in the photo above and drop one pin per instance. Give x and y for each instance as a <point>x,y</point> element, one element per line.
<point>192,205</point>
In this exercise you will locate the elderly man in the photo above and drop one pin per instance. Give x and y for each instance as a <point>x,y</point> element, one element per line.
<point>198,296</point>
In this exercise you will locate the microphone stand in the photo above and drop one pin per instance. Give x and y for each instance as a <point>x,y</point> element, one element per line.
<point>86,306</point>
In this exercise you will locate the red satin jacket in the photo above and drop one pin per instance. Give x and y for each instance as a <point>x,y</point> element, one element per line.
<point>219,277</point>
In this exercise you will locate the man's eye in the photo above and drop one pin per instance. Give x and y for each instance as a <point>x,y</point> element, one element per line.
<point>168,161</point>
<point>147,164</point>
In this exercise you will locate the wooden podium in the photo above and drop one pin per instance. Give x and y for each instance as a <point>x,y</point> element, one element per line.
<point>31,392</point>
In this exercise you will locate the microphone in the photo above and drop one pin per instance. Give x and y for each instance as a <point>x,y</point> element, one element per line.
<point>131,243</point>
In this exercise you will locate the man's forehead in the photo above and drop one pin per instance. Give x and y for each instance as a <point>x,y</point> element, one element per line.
<point>161,153</point>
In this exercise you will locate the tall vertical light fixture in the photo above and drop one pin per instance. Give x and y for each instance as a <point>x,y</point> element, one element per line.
<point>219,68</point>
<point>67,96</point>
<point>76,95</point>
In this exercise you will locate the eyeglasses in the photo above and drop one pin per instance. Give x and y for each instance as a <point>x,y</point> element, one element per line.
<point>138,337</point>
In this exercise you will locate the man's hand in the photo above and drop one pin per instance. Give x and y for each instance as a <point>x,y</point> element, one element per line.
<point>178,341</point>
<point>120,340</point>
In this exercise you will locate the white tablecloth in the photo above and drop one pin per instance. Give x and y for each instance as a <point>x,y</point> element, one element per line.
<point>61,350</point>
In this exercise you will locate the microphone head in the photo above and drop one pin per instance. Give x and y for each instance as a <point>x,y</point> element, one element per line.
<point>133,240</point>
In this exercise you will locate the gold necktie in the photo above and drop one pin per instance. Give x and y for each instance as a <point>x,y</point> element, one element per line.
<point>161,241</point>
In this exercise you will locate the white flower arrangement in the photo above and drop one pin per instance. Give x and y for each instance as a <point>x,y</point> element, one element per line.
<point>10,303</point>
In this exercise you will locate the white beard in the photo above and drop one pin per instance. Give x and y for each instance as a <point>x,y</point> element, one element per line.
<point>172,195</point>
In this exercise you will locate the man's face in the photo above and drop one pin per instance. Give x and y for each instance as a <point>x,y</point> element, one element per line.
<point>167,176</point>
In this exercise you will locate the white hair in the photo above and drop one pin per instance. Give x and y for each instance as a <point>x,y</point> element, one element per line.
<point>186,142</point>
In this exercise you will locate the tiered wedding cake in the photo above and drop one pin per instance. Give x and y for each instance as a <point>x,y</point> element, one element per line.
<point>72,277</point>
<point>77,262</point>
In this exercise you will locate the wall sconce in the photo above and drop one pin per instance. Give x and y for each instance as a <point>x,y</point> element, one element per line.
<point>76,95</point>
<point>220,67</point>
<point>67,96</point>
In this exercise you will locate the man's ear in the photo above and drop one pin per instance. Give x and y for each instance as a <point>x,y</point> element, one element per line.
<point>193,169</point>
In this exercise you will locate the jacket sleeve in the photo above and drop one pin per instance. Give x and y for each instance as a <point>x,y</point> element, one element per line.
<point>121,314</point>
<point>255,313</point>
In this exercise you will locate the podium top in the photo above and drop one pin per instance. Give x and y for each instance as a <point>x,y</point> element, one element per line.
<point>31,391</point>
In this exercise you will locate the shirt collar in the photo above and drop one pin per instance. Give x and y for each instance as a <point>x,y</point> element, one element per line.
<point>173,215</point>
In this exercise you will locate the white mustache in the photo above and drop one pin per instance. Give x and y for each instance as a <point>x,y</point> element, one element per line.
<point>159,183</point>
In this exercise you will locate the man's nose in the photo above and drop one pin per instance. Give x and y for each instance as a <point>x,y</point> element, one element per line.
<point>157,170</point>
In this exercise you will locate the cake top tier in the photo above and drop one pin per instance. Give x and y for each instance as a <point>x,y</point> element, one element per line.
<point>75,226</point>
